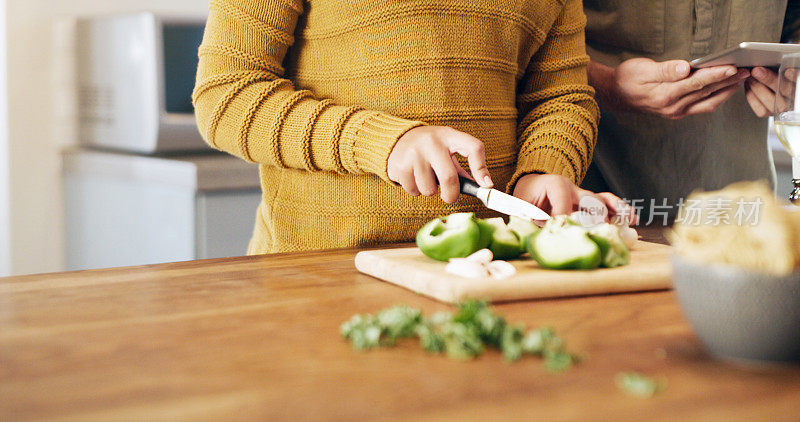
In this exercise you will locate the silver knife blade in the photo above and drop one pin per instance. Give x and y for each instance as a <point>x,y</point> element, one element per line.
<point>511,205</point>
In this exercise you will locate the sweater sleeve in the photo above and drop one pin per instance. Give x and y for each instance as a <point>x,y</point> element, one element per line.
<point>245,106</point>
<point>559,116</point>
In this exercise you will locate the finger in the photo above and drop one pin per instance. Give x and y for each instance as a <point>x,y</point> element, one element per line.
<point>766,77</point>
<point>618,207</point>
<point>446,174</point>
<point>771,81</point>
<point>784,95</point>
<point>711,103</point>
<point>406,180</point>
<point>765,95</point>
<point>782,102</point>
<point>460,169</point>
<point>790,74</point>
<point>472,148</point>
<point>702,78</point>
<point>710,90</point>
<point>562,199</point>
<point>673,70</point>
<point>424,178</point>
<point>754,102</point>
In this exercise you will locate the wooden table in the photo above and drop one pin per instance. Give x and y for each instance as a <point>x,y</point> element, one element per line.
<point>257,338</point>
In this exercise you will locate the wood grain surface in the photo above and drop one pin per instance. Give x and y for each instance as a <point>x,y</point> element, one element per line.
<point>256,338</point>
<point>649,269</point>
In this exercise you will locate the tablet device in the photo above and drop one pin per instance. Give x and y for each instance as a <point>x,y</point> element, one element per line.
<point>748,54</point>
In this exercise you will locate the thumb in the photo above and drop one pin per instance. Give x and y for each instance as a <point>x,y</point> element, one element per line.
<point>673,70</point>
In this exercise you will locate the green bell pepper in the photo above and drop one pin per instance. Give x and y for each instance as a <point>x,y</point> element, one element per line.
<point>486,229</point>
<point>523,227</point>
<point>563,245</point>
<point>454,236</point>
<point>612,247</point>
<point>504,243</point>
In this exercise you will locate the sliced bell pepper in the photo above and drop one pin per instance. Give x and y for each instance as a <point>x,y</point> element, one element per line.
<point>612,247</point>
<point>486,230</point>
<point>562,245</point>
<point>504,244</point>
<point>454,236</point>
<point>523,227</point>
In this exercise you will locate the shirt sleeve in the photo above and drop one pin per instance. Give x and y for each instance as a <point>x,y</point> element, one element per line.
<point>245,106</point>
<point>557,129</point>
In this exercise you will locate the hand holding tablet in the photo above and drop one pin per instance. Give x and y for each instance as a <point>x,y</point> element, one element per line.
<point>748,54</point>
<point>763,58</point>
<point>671,89</point>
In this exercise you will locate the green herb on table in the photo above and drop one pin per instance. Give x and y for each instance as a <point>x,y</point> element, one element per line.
<point>559,360</point>
<point>639,385</point>
<point>367,331</point>
<point>462,335</point>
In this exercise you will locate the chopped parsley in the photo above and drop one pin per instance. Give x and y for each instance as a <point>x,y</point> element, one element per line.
<point>462,335</point>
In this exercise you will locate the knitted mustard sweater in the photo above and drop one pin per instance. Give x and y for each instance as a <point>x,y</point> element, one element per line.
<point>318,92</point>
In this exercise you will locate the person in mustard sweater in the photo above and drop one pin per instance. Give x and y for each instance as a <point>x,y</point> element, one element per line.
<point>357,110</point>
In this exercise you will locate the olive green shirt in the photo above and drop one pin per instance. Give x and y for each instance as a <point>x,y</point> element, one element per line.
<point>643,156</point>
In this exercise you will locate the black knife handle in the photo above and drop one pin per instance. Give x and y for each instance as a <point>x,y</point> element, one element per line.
<point>468,186</point>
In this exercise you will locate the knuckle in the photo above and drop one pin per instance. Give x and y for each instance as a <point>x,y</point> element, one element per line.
<point>449,178</point>
<point>696,84</point>
<point>663,100</point>
<point>664,72</point>
<point>429,138</point>
<point>440,132</point>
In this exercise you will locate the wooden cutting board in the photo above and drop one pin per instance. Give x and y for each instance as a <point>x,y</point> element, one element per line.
<point>649,269</point>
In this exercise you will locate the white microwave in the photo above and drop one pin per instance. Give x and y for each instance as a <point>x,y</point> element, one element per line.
<point>135,74</point>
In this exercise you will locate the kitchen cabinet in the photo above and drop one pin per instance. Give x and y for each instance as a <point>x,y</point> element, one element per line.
<point>125,209</point>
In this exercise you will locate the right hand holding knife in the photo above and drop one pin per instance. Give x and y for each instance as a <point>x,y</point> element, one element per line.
<point>424,157</point>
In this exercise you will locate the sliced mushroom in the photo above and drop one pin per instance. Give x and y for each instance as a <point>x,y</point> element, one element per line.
<point>501,269</point>
<point>629,235</point>
<point>465,267</point>
<point>483,256</point>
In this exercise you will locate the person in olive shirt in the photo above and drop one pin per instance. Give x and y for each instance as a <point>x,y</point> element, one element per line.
<point>667,129</point>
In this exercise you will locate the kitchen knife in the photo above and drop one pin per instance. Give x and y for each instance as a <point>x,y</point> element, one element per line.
<point>502,202</point>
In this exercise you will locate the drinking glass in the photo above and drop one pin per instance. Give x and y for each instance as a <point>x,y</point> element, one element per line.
<point>787,116</point>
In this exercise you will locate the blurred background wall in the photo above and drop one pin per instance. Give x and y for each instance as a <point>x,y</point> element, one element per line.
<point>37,127</point>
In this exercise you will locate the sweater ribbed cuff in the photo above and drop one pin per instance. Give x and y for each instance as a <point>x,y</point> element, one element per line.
<point>368,139</point>
<point>543,161</point>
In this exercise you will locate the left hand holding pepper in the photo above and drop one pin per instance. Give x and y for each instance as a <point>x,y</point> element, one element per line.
<point>558,195</point>
<point>760,90</point>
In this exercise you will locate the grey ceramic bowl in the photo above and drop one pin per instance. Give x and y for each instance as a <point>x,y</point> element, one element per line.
<point>740,314</point>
